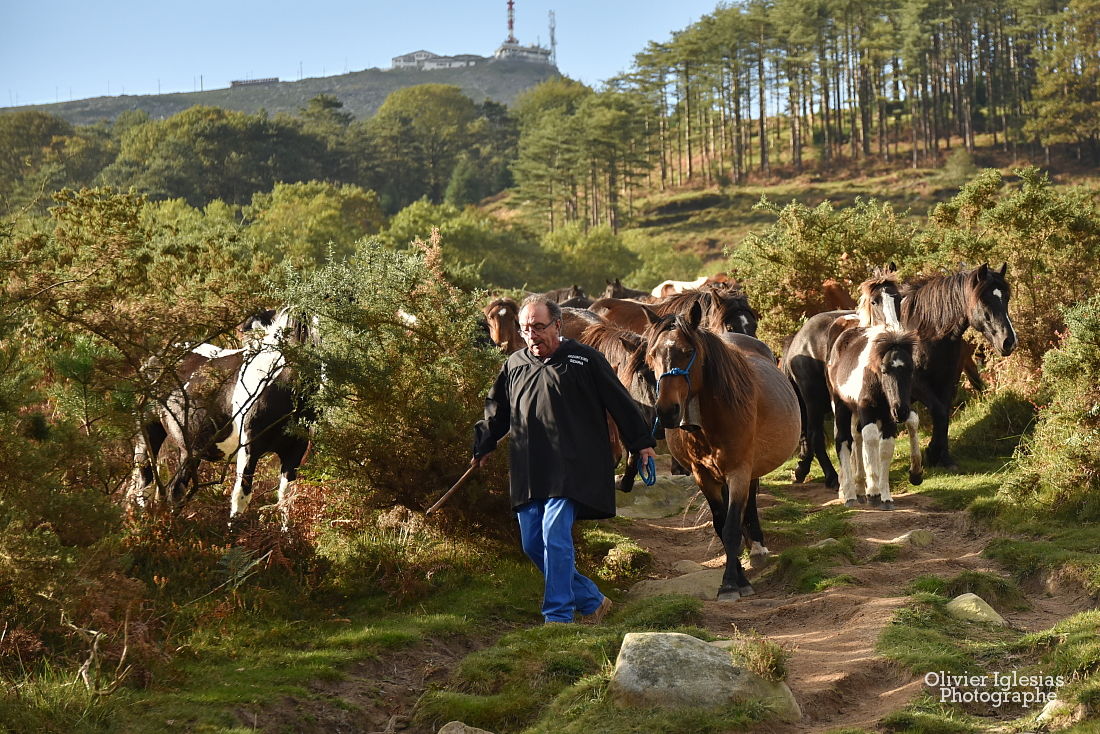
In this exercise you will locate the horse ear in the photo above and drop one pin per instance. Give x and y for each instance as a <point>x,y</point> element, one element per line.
<point>891,267</point>
<point>983,271</point>
<point>1004,269</point>
<point>695,315</point>
<point>651,316</point>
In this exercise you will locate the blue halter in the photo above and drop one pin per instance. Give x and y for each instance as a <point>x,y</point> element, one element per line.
<point>647,470</point>
<point>684,372</point>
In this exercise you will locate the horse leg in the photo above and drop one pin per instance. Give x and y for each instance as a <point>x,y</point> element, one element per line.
<point>844,441</point>
<point>815,437</point>
<point>938,455</point>
<point>754,535</point>
<point>805,450</point>
<point>859,471</point>
<point>734,582</point>
<point>247,459</point>
<point>916,466</point>
<point>877,452</point>
<point>148,445</point>
<point>289,462</point>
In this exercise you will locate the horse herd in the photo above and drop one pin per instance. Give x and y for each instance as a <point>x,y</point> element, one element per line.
<point>729,411</point>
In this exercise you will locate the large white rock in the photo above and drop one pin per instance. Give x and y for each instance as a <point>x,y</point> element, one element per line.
<point>973,608</point>
<point>673,670</point>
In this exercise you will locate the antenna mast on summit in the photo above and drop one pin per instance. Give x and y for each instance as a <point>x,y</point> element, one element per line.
<point>511,21</point>
<point>553,41</point>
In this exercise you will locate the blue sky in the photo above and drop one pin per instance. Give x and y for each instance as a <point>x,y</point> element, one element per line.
<point>68,49</point>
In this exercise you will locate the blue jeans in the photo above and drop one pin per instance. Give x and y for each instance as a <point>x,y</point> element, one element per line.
<point>546,531</point>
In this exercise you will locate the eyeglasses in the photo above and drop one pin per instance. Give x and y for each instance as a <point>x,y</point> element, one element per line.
<point>536,328</point>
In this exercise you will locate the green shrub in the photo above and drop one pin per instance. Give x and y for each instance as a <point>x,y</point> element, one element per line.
<point>784,266</point>
<point>1058,468</point>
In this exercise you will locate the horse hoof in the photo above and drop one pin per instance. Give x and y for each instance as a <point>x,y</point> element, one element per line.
<point>851,503</point>
<point>887,505</point>
<point>862,499</point>
<point>746,590</point>
<point>832,482</point>
<point>731,595</point>
<point>798,476</point>
<point>916,479</point>
<point>875,499</point>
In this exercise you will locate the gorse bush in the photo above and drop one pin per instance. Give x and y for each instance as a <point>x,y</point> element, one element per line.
<point>1050,239</point>
<point>783,267</point>
<point>1059,466</point>
<point>405,371</point>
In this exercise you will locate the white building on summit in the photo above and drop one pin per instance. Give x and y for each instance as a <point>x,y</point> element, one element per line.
<point>510,50</point>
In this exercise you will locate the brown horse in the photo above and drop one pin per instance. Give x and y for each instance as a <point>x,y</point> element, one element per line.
<point>502,315</point>
<point>724,309</point>
<point>739,420</point>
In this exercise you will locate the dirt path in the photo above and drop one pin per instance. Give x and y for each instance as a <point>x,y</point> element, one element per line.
<point>833,671</point>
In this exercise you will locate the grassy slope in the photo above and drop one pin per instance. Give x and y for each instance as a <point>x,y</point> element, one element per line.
<point>362,92</point>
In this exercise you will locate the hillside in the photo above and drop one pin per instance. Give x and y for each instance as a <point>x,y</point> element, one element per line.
<point>362,92</point>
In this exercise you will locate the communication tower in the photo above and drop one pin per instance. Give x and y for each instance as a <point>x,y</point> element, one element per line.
<point>511,22</point>
<point>553,41</point>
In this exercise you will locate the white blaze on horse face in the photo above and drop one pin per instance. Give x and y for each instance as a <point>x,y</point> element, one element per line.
<point>502,312</point>
<point>998,294</point>
<point>889,312</point>
<point>745,323</point>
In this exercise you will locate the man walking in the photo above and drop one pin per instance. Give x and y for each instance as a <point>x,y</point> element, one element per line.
<point>554,396</point>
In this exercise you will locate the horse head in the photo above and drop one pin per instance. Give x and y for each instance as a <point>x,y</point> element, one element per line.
<point>891,361</point>
<point>502,315</point>
<point>987,299</point>
<point>730,310</point>
<point>673,355</point>
<point>880,299</point>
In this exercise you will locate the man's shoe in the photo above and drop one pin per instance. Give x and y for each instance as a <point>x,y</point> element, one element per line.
<point>597,616</point>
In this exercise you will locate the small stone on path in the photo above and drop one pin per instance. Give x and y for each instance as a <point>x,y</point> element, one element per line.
<point>973,608</point>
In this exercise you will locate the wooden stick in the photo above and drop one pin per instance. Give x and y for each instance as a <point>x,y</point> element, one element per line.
<point>457,485</point>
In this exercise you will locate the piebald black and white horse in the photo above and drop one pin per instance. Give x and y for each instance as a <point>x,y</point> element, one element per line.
<point>870,378</point>
<point>244,402</point>
<point>808,353</point>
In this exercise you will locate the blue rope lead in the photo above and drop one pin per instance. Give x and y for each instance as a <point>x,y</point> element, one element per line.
<point>647,471</point>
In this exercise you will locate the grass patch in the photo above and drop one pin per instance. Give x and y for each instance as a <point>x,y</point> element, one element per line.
<point>886,553</point>
<point>757,653</point>
<point>808,569</point>
<point>614,557</point>
<point>928,716</point>
<point>798,522</point>
<point>237,661</point>
<point>665,611</point>
<point>996,590</point>
<point>923,637</point>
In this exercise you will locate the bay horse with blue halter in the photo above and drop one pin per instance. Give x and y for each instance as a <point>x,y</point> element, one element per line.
<point>729,416</point>
<point>870,378</point>
<point>243,403</point>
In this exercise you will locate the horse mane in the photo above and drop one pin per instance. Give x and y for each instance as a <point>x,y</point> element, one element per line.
<point>725,369</point>
<point>889,341</point>
<point>880,278</point>
<point>936,305</point>
<point>625,351</point>
<point>717,300</point>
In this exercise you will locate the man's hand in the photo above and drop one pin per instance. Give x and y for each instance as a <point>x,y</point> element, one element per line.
<point>480,461</point>
<point>647,453</point>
